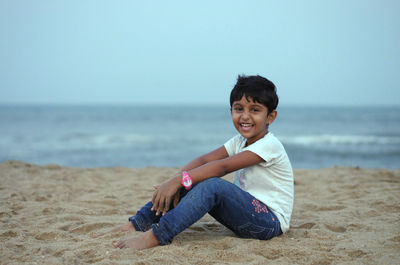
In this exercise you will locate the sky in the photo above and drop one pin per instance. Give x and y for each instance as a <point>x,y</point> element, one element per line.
<point>320,52</point>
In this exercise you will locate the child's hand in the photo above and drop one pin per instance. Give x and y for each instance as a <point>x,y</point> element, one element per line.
<point>175,199</point>
<point>165,194</point>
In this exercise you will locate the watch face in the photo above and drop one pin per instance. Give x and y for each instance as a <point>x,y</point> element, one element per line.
<point>187,182</point>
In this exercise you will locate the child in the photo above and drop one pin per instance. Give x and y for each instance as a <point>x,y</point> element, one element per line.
<point>258,204</point>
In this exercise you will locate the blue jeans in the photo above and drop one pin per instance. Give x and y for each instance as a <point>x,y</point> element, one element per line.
<point>228,204</point>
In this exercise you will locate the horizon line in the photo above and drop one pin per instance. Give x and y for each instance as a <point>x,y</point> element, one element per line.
<point>144,104</point>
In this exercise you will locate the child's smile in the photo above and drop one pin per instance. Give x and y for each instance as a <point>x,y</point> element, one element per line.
<point>251,119</point>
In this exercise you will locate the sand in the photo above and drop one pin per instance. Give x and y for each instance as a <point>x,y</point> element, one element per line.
<point>48,213</point>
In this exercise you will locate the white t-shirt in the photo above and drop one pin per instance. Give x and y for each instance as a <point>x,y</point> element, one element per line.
<point>271,181</point>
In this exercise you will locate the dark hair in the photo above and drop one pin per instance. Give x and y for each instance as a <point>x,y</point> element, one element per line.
<point>256,87</point>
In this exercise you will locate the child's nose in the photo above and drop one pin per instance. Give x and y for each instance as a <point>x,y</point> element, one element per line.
<point>245,114</point>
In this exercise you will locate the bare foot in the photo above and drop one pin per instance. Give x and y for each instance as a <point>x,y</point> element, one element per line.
<point>146,240</point>
<point>122,228</point>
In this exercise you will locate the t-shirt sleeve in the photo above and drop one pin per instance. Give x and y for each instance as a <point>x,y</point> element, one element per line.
<point>231,145</point>
<point>269,149</point>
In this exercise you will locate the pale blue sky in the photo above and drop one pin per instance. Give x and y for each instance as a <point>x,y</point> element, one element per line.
<point>316,52</point>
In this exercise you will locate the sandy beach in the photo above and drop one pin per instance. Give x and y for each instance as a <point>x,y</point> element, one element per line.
<point>48,214</point>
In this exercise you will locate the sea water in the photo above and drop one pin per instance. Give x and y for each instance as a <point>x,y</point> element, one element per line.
<point>170,136</point>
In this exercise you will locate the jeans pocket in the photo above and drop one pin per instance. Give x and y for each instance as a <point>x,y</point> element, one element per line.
<point>250,230</point>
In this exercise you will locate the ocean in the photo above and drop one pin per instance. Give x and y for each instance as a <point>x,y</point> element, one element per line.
<point>170,136</point>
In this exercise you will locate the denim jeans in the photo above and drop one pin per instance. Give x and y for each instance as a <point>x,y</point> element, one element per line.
<point>228,204</point>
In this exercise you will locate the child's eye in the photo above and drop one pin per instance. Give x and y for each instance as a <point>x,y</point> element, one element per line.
<point>238,109</point>
<point>255,110</point>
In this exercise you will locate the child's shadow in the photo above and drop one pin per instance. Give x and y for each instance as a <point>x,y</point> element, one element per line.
<point>204,232</point>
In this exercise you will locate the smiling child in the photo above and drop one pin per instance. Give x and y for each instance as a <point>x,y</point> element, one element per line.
<point>257,205</point>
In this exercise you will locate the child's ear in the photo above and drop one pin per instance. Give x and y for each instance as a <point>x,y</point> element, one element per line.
<point>271,116</point>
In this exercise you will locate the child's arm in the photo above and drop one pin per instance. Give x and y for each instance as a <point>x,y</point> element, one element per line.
<point>217,154</point>
<point>163,196</point>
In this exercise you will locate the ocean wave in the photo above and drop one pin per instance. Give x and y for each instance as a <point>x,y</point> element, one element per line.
<point>331,139</point>
<point>105,139</point>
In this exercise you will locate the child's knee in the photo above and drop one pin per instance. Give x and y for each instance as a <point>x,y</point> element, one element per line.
<point>209,182</point>
<point>212,184</point>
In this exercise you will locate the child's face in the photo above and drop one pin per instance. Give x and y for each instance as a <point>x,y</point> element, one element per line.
<point>251,119</point>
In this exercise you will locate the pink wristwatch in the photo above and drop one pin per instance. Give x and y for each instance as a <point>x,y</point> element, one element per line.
<point>186,180</point>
